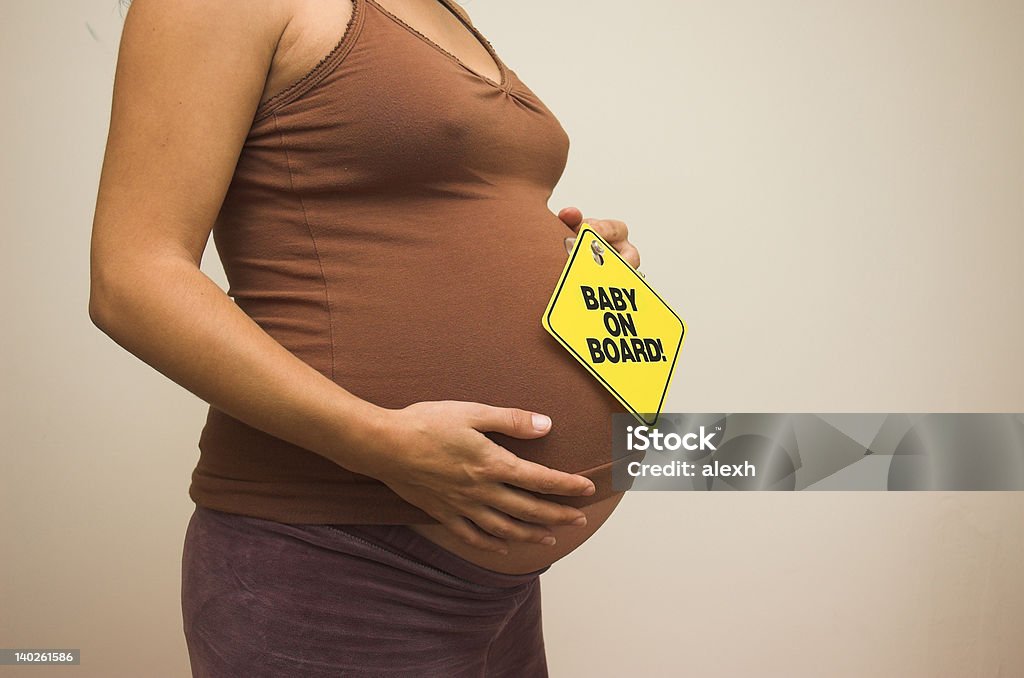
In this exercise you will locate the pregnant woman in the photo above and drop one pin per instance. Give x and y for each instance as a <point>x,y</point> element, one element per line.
<point>395,450</point>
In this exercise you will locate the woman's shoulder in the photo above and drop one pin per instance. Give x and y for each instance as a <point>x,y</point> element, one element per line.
<point>312,30</point>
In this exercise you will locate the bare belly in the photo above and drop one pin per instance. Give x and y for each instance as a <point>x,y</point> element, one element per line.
<point>525,557</point>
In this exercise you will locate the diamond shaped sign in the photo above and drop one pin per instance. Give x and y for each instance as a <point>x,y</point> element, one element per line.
<point>614,323</point>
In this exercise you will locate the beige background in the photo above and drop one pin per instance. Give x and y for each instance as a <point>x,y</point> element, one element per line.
<point>830,193</point>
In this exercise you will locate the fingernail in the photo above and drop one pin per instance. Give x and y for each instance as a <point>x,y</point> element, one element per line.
<point>550,541</point>
<point>503,552</point>
<point>582,520</point>
<point>590,490</point>
<point>541,422</point>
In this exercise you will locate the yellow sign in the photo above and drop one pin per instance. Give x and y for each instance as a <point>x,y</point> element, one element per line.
<point>607,316</point>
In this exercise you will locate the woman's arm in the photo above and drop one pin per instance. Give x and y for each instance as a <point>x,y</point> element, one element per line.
<point>189,77</point>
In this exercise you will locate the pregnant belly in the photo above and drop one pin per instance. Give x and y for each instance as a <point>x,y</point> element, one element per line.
<point>452,315</point>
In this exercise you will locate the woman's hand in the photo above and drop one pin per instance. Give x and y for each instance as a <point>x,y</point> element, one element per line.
<point>435,456</point>
<point>615,232</point>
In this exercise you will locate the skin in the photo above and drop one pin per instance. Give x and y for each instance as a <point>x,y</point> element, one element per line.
<point>189,77</point>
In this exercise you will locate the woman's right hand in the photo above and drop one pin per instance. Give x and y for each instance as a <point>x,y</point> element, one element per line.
<point>437,458</point>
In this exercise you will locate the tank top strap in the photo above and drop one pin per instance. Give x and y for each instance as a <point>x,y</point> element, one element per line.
<point>341,48</point>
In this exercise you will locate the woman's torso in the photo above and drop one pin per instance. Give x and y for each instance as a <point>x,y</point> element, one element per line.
<point>413,254</point>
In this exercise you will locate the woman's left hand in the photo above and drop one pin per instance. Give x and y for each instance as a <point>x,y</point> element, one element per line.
<point>615,232</point>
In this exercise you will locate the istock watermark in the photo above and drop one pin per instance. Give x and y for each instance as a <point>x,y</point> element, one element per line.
<point>835,451</point>
<point>648,437</point>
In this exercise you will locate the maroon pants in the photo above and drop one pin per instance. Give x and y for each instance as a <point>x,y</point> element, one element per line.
<point>262,598</point>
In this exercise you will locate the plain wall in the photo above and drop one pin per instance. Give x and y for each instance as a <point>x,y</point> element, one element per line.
<point>830,193</point>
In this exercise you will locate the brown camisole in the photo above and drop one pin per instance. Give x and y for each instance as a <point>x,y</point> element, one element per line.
<point>387,223</point>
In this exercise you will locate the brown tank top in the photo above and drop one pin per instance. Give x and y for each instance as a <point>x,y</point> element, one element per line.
<point>387,223</point>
